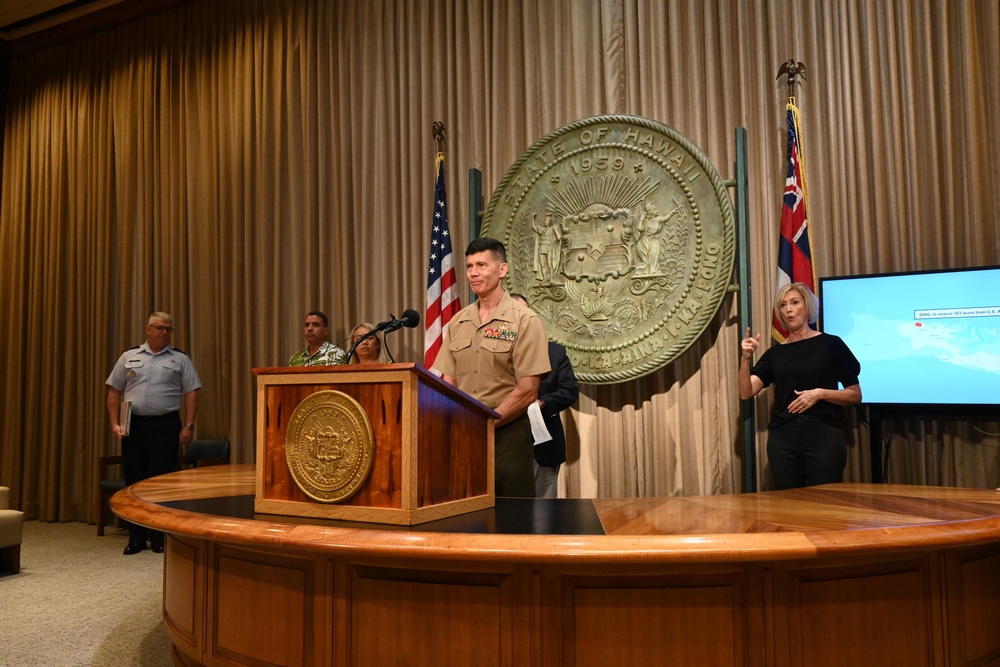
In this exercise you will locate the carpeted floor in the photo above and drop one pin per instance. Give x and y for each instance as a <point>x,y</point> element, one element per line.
<point>78,601</point>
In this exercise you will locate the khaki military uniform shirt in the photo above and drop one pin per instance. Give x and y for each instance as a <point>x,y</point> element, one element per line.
<point>487,358</point>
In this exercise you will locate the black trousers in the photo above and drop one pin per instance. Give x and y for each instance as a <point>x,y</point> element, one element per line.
<point>805,452</point>
<point>150,449</point>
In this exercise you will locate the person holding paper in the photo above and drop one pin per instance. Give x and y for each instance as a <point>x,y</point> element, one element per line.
<point>495,350</point>
<point>557,391</point>
<point>158,380</point>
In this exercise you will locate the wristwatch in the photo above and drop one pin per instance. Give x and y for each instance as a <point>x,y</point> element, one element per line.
<point>190,426</point>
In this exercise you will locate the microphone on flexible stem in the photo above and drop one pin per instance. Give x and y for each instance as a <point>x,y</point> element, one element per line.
<point>410,319</point>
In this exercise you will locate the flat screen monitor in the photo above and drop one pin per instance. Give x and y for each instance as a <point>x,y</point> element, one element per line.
<point>924,339</point>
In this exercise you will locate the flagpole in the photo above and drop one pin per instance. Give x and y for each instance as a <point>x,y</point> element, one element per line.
<point>742,185</point>
<point>795,246</point>
<point>793,70</point>
<point>442,301</point>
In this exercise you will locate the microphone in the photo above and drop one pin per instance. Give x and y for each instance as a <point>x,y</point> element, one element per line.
<point>410,319</point>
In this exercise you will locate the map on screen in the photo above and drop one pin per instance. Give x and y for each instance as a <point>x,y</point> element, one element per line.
<point>923,338</point>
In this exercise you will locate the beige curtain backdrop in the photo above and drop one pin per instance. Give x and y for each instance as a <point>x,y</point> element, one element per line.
<point>241,162</point>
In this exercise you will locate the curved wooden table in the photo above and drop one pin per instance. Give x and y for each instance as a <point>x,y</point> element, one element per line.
<point>843,574</point>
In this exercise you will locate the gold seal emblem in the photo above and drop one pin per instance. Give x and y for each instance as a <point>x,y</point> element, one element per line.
<point>329,446</point>
<point>621,234</point>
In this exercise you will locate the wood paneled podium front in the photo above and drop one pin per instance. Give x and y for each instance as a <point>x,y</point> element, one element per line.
<point>433,444</point>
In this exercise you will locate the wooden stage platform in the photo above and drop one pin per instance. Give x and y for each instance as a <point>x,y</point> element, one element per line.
<point>843,574</point>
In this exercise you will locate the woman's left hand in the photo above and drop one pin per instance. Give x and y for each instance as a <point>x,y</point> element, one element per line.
<point>805,400</point>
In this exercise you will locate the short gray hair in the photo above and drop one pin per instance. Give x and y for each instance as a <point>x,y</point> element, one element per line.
<point>160,315</point>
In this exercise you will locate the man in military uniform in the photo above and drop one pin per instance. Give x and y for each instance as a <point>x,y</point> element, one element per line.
<point>496,351</point>
<point>156,379</point>
<point>318,350</point>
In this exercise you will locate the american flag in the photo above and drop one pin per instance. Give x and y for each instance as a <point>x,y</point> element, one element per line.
<point>795,246</point>
<point>442,291</point>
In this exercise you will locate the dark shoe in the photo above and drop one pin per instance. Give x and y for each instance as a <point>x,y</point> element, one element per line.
<point>157,548</point>
<point>133,549</point>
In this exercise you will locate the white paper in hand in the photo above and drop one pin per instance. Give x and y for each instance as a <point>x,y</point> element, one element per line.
<point>538,430</point>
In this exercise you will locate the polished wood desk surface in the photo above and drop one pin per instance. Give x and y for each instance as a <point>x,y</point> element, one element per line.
<point>836,519</point>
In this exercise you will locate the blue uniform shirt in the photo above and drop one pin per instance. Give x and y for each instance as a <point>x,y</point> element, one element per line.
<point>154,383</point>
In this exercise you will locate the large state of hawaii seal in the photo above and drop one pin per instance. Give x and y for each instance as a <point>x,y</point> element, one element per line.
<point>329,446</point>
<point>621,234</point>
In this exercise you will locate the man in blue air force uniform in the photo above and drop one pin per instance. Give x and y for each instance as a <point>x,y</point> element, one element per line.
<point>158,380</point>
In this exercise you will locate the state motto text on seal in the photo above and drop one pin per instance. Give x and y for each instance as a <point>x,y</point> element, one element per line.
<point>620,232</point>
<point>329,446</point>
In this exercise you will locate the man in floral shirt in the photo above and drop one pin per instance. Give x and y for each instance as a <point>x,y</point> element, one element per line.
<point>318,351</point>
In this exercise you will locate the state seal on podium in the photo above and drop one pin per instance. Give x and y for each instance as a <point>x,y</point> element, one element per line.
<point>329,446</point>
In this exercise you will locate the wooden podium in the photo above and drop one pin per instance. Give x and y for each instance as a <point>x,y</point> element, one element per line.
<point>433,444</point>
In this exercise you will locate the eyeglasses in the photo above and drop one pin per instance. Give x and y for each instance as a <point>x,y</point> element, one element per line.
<point>162,329</point>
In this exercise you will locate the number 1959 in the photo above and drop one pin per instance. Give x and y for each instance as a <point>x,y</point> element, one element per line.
<point>601,164</point>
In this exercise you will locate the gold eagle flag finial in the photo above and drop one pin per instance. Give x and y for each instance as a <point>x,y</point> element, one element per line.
<point>437,128</point>
<point>792,69</point>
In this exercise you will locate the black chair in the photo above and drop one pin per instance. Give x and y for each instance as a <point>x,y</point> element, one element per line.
<point>107,486</point>
<point>201,453</point>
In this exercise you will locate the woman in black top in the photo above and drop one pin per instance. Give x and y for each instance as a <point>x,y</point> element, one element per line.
<point>805,444</point>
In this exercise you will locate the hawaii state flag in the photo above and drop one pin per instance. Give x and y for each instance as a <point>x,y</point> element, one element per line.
<point>795,253</point>
<point>442,289</point>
